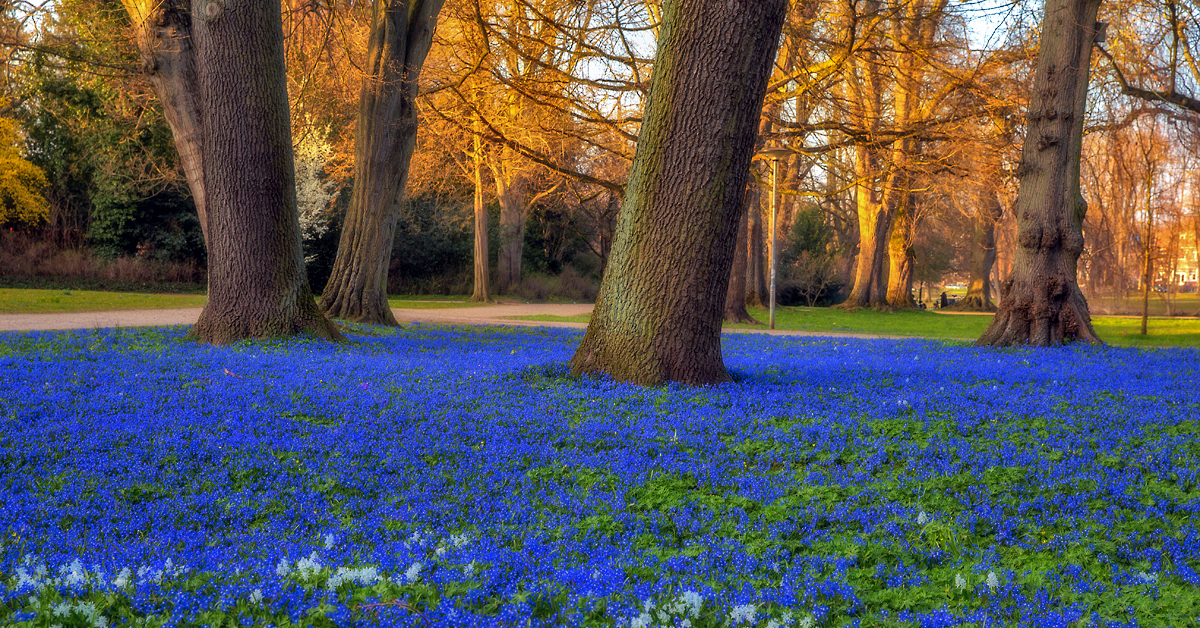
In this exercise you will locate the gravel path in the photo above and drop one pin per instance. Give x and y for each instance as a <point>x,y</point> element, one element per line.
<point>479,315</point>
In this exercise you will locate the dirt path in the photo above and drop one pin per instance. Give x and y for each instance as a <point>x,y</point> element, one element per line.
<point>484,315</point>
<point>479,315</point>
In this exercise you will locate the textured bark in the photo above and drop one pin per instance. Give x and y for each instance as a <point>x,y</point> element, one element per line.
<point>900,247</point>
<point>658,314</point>
<point>983,254</point>
<point>386,132</point>
<point>874,222</point>
<point>257,286</point>
<point>735,297</point>
<point>1041,304</point>
<point>756,289</point>
<point>511,195</point>
<point>164,36</point>
<point>480,293</point>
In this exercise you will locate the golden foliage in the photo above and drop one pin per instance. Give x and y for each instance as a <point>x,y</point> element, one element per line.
<point>21,182</point>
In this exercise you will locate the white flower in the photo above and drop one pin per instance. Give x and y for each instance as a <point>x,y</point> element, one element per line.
<point>329,541</point>
<point>922,518</point>
<point>459,540</point>
<point>414,572</point>
<point>123,578</point>
<point>687,604</point>
<point>782,622</point>
<point>1147,578</point>
<point>309,566</point>
<point>256,596</point>
<point>992,580</point>
<point>440,551</point>
<point>960,582</point>
<point>469,570</point>
<point>367,576</point>
<point>283,568</point>
<point>743,613</point>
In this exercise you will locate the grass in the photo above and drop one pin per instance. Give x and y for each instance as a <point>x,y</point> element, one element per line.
<point>30,301</point>
<point>42,301</point>
<point>1120,331</point>
<point>1187,304</point>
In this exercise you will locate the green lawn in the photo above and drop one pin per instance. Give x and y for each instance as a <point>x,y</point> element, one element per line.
<point>27,301</point>
<point>36,301</point>
<point>1163,332</point>
<point>429,302</point>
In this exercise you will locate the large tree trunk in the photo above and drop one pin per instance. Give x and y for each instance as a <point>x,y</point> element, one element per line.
<point>735,297</point>
<point>658,314</point>
<point>164,36</point>
<point>874,223</point>
<point>983,253</point>
<point>401,33</point>
<point>480,293</point>
<point>257,286</point>
<point>900,247</point>
<point>1040,303</point>
<point>510,194</point>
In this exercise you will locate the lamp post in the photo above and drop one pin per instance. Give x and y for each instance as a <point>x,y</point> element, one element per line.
<point>774,154</point>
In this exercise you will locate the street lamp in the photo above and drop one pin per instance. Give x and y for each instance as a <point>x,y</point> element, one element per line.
<point>774,154</point>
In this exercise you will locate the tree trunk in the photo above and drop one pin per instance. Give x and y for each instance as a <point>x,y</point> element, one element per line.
<point>658,314</point>
<point>1040,303</point>
<point>735,297</point>
<point>257,286</point>
<point>1148,248</point>
<point>983,254</point>
<point>756,292</point>
<point>512,231</point>
<point>386,132</point>
<point>480,294</point>
<point>164,36</point>
<point>900,246</point>
<point>873,226</point>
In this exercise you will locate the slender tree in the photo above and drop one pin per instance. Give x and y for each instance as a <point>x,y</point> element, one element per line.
<point>256,282</point>
<point>401,33</point>
<point>658,314</point>
<point>735,298</point>
<point>1041,303</point>
<point>163,30</point>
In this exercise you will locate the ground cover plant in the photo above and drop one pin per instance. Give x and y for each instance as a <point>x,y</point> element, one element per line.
<point>436,476</point>
<point>1118,330</point>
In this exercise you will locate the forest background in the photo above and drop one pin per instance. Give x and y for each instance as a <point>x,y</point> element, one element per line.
<point>904,122</point>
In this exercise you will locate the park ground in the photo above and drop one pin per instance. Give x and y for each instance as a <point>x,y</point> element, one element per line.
<point>37,309</point>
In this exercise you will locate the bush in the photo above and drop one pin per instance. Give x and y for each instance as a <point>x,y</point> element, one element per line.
<point>25,260</point>
<point>568,284</point>
<point>810,280</point>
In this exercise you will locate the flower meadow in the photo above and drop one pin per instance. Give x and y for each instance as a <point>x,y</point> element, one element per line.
<point>435,476</point>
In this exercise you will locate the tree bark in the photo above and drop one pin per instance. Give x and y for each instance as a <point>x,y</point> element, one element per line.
<point>510,194</point>
<point>164,37</point>
<point>386,132</point>
<point>874,222</point>
<point>1040,303</point>
<point>257,286</point>
<point>983,254</point>
<point>735,297</point>
<point>480,293</point>
<point>900,246</point>
<point>756,292</point>
<point>658,314</point>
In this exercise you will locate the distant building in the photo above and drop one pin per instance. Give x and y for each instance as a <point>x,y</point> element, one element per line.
<point>1187,266</point>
